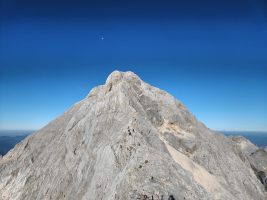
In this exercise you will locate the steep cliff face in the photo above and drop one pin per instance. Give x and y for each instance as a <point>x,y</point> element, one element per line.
<point>127,140</point>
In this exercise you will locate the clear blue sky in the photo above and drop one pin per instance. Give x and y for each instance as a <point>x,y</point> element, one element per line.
<point>212,55</point>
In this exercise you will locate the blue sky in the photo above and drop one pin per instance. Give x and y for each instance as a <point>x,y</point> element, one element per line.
<point>209,54</point>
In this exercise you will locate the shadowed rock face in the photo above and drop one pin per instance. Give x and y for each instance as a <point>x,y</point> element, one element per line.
<point>257,157</point>
<point>127,140</point>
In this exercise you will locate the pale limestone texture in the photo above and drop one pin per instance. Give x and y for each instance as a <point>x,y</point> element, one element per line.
<point>127,139</point>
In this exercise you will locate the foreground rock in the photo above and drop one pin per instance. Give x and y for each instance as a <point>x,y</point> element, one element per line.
<point>257,157</point>
<point>128,140</point>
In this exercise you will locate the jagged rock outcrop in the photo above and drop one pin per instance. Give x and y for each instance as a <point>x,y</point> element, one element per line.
<point>127,140</point>
<point>257,157</point>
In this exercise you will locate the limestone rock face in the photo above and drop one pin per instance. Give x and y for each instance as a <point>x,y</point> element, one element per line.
<point>128,140</point>
<point>257,157</point>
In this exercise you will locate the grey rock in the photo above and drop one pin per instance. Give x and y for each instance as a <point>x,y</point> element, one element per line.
<point>257,157</point>
<point>127,140</point>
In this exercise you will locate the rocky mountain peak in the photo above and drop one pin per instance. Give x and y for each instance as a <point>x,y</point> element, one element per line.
<point>114,77</point>
<point>117,77</point>
<point>128,140</point>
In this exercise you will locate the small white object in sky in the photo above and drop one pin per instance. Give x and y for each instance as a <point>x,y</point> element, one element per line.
<point>102,38</point>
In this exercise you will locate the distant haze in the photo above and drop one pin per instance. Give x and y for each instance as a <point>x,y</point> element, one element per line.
<point>15,132</point>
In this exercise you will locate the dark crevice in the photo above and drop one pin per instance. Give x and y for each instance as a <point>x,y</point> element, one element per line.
<point>261,175</point>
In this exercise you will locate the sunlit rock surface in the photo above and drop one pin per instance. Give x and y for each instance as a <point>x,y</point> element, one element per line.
<point>128,140</point>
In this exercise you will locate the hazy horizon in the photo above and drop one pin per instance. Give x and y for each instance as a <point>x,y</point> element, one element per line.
<point>19,131</point>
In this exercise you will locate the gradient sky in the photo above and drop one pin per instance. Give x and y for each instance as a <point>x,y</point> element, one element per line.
<point>212,55</point>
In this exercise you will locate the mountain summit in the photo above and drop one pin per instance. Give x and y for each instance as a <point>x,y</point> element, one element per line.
<point>128,140</point>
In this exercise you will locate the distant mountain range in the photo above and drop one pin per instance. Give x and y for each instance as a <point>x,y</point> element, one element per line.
<point>8,142</point>
<point>9,138</point>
